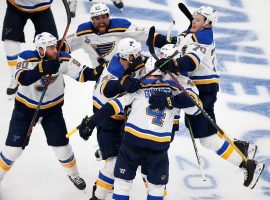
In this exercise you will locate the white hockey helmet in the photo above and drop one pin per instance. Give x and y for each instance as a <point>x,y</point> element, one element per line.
<point>44,40</point>
<point>149,66</point>
<point>127,47</point>
<point>209,13</point>
<point>98,9</point>
<point>167,50</point>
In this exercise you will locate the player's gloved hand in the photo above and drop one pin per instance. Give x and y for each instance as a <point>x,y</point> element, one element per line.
<point>137,64</point>
<point>173,40</point>
<point>86,128</point>
<point>161,100</point>
<point>98,71</point>
<point>48,66</point>
<point>130,84</point>
<point>171,65</point>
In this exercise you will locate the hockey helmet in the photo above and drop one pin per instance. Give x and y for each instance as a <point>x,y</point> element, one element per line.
<point>167,50</point>
<point>44,40</point>
<point>99,9</point>
<point>149,66</point>
<point>127,47</point>
<point>209,13</point>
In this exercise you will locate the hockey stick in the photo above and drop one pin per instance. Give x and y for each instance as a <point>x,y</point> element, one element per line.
<point>33,121</point>
<point>186,12</point>
<point>152,52</point>
<point>195,147</point>
<point>169,32</point>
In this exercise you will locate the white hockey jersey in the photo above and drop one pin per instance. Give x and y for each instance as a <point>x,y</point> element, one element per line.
<point>28,96</point>
<point>31,6</point>
<point>146,127</point>
<point>200,46</point>
<point>114,71</point>
<point>104,45</point>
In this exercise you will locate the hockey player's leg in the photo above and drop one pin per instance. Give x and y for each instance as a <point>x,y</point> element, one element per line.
<point>12,49</point>
<point>66,157</point>
<point>8,156</point>
<point>121,189</point>
<point>222,148</point>
<point>155,192</point>
<point>105,181</point>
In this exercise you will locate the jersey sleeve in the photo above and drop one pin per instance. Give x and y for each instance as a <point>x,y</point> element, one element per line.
<point>119,103</point>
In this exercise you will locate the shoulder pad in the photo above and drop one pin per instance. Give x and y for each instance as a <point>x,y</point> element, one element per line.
<point>118,25</point>
<point>204,36</point>
<point>29,55</point>
<point>115,67</point>
<point>85,28</point>
<point>64,56</point>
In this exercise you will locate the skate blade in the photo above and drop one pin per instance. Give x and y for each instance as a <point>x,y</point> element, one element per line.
<point>258,171</point>
<point>252,152</point>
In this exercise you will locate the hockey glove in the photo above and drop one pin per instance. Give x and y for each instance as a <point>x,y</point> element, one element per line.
<point>98,71</point>
<point>171,65</point>
<point>161,100</point>
<point>86,128</point>
<point>137,64</point>
<point>48,66</point>
<point>130,84</point>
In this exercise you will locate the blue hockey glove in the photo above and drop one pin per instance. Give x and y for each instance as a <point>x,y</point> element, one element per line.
<point>86,128</point>
<point>130,84</point>
<point>161,100</point>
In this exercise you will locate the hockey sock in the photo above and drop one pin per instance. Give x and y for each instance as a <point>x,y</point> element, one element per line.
<point>12,50</point>
<point>7,157</point>
<point>155,192</point>
<point>222,148</point>
<point>66,157</point>
<point>105,179</point>
<point>144,177</point>
<point>121,189</point>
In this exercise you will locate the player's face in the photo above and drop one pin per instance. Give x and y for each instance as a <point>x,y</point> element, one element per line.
<point>51,52</point>
<point>197,23</point>
<point>101,23</point>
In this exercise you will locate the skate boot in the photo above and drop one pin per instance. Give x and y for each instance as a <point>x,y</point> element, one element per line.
<point>249,150</point>
<point>118,3</point>
<point>252,172</point>
<point>13,86</point>
<point>93,194</point>
<point>72,6</point>
<point>78,182</point>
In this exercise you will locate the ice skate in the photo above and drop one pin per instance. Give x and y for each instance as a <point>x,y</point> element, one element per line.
<point>249,150</point>
<point>252,172</point>
<point>78,182</point>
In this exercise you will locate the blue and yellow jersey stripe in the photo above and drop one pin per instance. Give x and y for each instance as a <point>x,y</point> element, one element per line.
<point>34,8</point>
<point>33,104</point>
<point>207,79</point>
<point>195,59</point>
<point>105,182</point>
<point>148,134</point>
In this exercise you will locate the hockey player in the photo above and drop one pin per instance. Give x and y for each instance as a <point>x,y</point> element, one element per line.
<point>198,58</point>
<point>33,68</point>
<point>147,133</point>
<point>17,14</point>
<point>100,36</point>
<point>113,81</point>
